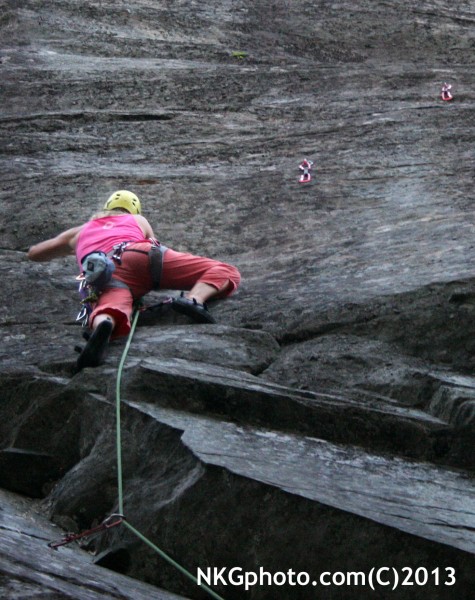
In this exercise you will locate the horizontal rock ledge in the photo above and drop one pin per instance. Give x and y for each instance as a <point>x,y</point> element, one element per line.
<point>417,498</point>
<point>246,399</point>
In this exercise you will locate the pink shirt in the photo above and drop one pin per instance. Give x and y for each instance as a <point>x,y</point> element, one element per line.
<point>104,233</point>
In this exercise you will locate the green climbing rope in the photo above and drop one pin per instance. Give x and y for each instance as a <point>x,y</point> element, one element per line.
<point>171,561</point>
<point>119,471</point>
<point>117,413</point>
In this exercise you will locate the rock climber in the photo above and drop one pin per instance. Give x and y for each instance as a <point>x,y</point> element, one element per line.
<point>121,233</point>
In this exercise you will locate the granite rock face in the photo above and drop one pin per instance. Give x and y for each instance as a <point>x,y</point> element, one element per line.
<point>326,423</point>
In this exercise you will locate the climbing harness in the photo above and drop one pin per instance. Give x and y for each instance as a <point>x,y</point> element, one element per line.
<point>445,93</point>
<point>97,275</point>
<point>305,166</point>
<point>112,521</point>
<point>98,268</point>
<point>155,255</point>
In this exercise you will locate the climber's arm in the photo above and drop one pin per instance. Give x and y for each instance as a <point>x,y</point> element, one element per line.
<point>63,244</point>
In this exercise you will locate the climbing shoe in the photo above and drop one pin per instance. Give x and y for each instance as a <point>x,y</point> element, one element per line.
<point>95,349</point>
<point>193,309</point>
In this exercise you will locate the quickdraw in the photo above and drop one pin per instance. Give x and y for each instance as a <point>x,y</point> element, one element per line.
<point>305,167</point>
<point>154,307</point>
<point>89,296</point>
<point>112,521</point>
<point>445,93</point>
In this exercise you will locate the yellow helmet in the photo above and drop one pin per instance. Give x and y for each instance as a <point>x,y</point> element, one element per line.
<point>124,199</point>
